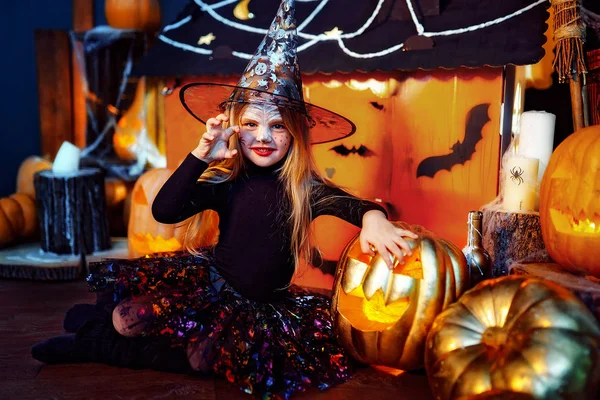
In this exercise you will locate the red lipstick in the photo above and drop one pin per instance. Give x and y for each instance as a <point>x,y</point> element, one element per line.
<point>263,151</point>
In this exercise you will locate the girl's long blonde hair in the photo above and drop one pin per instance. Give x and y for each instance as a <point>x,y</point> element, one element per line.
<point>298,175</point>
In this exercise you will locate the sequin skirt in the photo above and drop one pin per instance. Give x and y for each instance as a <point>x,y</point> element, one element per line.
<point>268,349</point>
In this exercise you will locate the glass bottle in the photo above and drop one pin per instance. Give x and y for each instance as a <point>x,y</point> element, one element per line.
<point>478,259</point>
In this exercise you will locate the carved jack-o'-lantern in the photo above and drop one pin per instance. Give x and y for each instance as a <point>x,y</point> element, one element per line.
<point>382,316</point>
<point>515,334</point>
<point>570,202</point>
<point>145,234</point>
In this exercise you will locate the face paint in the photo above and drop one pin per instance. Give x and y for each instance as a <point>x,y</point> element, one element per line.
<point>264,139</point>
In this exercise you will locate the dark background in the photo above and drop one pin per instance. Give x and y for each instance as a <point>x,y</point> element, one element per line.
<point>19,116</point>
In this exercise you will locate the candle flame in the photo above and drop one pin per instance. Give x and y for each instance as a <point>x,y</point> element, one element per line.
<point>584,226</point>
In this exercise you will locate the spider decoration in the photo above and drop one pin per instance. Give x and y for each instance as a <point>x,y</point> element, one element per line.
<point>517,175</point>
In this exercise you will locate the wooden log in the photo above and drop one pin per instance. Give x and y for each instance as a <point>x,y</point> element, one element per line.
<point>29,262</point>
<point>585,288</point>
<point>72,211</point>
<point>53,59</point>
<point>511,237</point>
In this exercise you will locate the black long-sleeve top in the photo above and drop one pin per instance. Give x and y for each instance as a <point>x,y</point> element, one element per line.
<point>254,249</point>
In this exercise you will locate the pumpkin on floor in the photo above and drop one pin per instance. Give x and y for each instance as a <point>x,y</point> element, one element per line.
<point>382,316</point>
<point>570,203</point>
<point>146,235</point>
<point>18,218</point>
<point>27,170</point>
<point>515,334</point>
<point>142,15</point>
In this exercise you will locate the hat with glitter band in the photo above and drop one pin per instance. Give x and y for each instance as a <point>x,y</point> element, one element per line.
<point>272,76</point>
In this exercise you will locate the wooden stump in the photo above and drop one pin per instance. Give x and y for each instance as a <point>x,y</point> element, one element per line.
<point>28,261</point>
<point>585,288</point>
<point>72,212</point>
<point>512,237</point>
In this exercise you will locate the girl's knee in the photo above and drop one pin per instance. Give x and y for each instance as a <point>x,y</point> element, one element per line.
<point>201,354</point>
<point>131,318</point>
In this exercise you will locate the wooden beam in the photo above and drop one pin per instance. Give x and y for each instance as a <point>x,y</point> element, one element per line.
<point>53,59</point>
<point>83,20</point>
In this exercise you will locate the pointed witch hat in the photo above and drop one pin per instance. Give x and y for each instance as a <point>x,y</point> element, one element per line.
<point>272,76</point>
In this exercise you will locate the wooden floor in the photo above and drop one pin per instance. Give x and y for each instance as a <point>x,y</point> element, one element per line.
<point>32,311</point>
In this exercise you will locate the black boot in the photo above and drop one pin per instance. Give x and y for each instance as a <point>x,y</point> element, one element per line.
<point>98,341</point>
<point>77,315</point>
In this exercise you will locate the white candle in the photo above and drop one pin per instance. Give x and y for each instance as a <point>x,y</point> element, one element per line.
<point>536,137</point>
<point>520,183</point>
<point>67,159</point>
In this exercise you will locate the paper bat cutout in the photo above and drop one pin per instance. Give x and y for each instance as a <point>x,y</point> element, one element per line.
<point>461,152</point>
<point>362,151</point>
<point>378,106</point>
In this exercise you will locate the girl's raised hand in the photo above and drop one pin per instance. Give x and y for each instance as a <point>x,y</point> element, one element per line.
<point>214,144</point>
<point>381,235</point>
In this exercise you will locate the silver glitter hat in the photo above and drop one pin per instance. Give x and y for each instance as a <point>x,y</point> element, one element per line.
<point>272,76</point>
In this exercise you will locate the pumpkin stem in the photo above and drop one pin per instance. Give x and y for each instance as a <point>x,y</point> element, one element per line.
<point>495,337</point>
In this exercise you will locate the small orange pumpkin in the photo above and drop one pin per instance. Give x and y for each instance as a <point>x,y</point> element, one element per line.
<point>570,203</point>
<point>28,168</point>
<point>142,15</point>
<point>146,235</point>
<point>18,218</point>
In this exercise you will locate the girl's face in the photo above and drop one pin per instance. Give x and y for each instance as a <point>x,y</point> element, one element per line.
<point>264,138</point>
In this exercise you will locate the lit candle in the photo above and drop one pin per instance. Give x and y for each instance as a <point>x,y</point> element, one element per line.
<point>536,137</point>
<point>67,159</point>
<point>520,183</point>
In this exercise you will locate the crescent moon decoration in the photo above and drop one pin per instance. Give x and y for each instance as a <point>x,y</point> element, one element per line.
<point>242,12</point>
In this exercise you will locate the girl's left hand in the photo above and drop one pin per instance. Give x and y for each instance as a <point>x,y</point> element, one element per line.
<point>379,233</point>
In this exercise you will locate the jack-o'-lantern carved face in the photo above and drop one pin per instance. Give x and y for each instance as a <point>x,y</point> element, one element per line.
<point>145,234</point>
<point>570,202</point>
<point>382,316</point>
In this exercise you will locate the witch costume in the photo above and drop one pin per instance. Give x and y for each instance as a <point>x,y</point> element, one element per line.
<point>231,305</point>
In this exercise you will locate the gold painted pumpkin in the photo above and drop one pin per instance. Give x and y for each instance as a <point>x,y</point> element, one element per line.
<point>144,234</point>
<point>133,14</point>
<point>382,317</point>
<point>515,334</point>
<point>570,202</point>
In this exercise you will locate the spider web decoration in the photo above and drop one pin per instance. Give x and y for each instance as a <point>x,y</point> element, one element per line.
<point>342,36</point>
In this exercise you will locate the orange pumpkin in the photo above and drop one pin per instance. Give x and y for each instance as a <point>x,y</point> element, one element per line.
<point>146,235</point>
<point>18,218</point>
<point>116,191</point>
<point>28,168</point>
<point>142,15</point>
<point>382,317</point>
<point>570,203</point>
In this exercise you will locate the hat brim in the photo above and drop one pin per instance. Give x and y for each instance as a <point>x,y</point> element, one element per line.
<point>207,100</point>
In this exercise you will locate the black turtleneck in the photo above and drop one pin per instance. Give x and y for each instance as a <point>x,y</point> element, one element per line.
<point>254,248</point>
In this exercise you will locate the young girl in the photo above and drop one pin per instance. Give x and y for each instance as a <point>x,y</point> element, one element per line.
<point>226,305</point>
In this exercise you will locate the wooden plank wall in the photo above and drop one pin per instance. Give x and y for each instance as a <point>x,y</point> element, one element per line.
<point>60,88</point>
<point>53,57</point>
